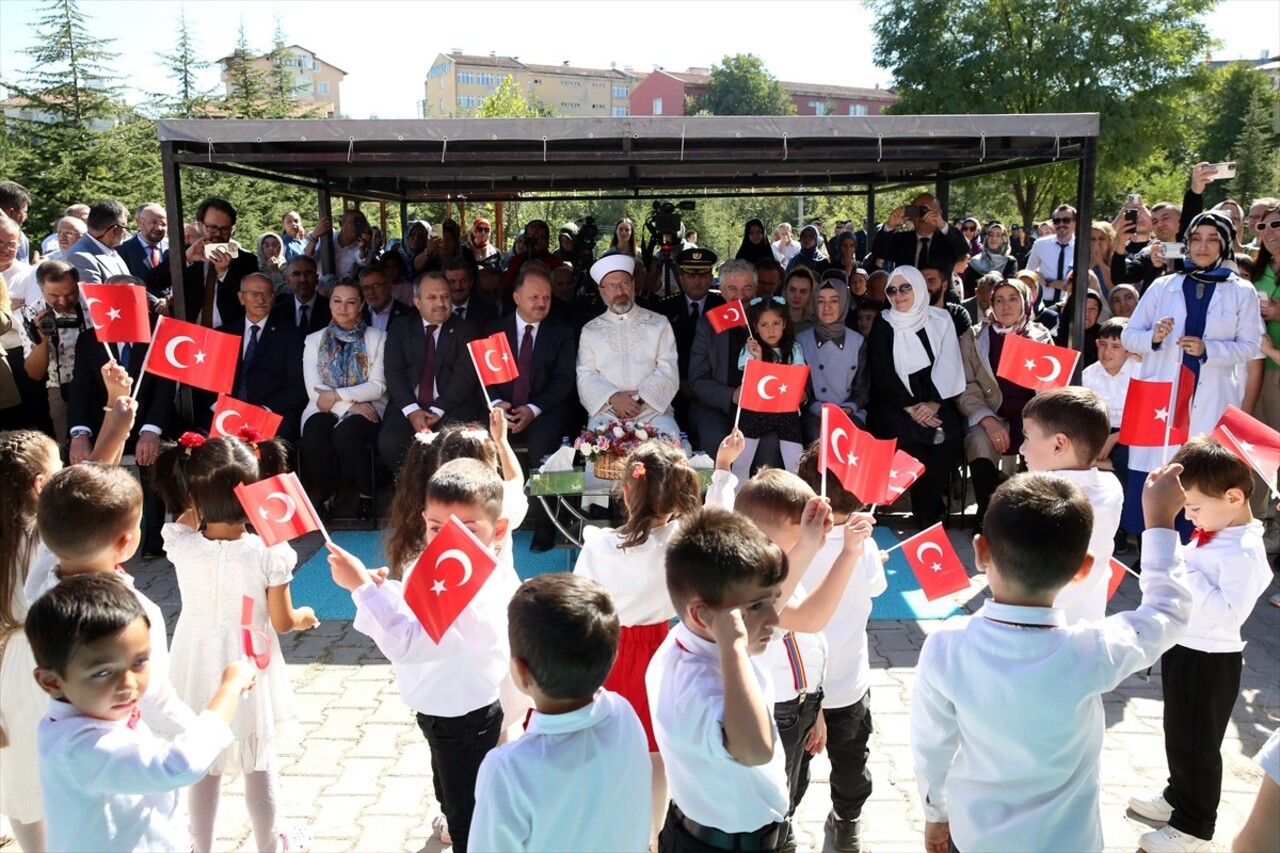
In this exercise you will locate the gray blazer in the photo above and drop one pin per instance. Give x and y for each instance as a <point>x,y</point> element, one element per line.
<point>94,264</point>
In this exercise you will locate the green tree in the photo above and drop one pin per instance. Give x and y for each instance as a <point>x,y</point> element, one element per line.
<point>507,101</point>
<point>184,66</point>
<point>1135,65</point>
<point>741,86</point>
<point>1255,151</point>
<point>246,83</point>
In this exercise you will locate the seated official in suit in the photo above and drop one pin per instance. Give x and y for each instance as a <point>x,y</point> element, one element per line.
<point>211,282</point>
<point>467,304</point>
<point>932,242</point>
<point>343,368</point>
<point>379,307</point>
<point>299,306</point>
<point>539,401</point>
<point>269,371</point>
<point>94,254</point>
<point>715,379</point>
<point>685,309</point>
<point>430,379</point>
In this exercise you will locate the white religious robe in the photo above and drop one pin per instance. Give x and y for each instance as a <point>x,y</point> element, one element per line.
<point>624,352</point>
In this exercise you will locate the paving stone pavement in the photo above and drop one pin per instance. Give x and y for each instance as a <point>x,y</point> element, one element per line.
<point>360,774</point>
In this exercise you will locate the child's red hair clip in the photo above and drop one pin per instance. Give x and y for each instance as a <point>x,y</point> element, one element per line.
<point>637,470</point>
<point>191,439</point>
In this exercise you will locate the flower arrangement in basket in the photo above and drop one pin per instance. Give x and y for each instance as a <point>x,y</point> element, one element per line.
<point>606,446</point>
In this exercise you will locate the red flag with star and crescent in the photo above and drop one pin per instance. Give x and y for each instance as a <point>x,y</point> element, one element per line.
<point>935,563</point>
<point>1117,575</point>
<point>278,508</point>
<point>1031,364</point>
<point>727,316</point>
<point>119,312</point>
<point>768,387</point>
<point>1250,439</point>
<point>1146,411</point>
<point>193,355</point>
<point>904,471</point>
<point>859,461</point>
<point>493,359</point>
<point>447,577</point>
<point>231,415</point>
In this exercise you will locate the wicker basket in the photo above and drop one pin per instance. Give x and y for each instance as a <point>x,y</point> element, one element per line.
<point>607,466</point>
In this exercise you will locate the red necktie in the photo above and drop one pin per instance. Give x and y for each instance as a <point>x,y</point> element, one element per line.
<point>427,379</point>
<point>524,362</point>
<point>1200,536</point>
<point>155,257</point>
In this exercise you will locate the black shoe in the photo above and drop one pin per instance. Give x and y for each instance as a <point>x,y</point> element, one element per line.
<point>153,552</point>
<point>846,835</point>
<point>543,541</point>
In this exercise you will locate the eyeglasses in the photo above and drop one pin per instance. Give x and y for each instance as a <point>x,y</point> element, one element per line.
<point>217,229</point>
<point>969,229</point>
<point>258,294</point>
<point>10,246</point>
<point>485,230</point>
<point>616,285</point>
<point>1263,226</point>
<point>1063,220</point>
<point>903,288</point>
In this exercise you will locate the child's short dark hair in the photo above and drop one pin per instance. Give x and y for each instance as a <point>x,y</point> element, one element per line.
<point>467,481</point>
<point>715,550</point>
<point>81,609</point>
<point>842,500</point>
<point>204,478</point>
<point>1076,412</point>
<point>773,496</point>
<point>1212,469</point>
<point>84,508</point>
<point>1037,527</point>
<point>565,629</point>
<point>1113,328</point>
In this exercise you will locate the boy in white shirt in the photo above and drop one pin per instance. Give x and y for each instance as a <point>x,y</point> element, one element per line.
<point>1227,571</point>
<point>711,703</point>
<point>1006,713</point>
<point>1108,377</point>
<point>452,685</point>
<point>578,779</point>
<point>1063,432</point>
<point>109,783</point>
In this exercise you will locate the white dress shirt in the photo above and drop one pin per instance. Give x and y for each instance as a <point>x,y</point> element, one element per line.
<point>686,698</point>
<point>636,577</point>
<point>598,752</point>
<point>849,666</point>
<point>1006,712</point>
<point>380,319</point>
<point>109,787</point>
<point>1112,388</point>
<point>1226,575</point>
<point>796,660</point>
<point>297,313</point>
<point>1043,259</point>
<point>249,326</point>
<point>1086,600</point>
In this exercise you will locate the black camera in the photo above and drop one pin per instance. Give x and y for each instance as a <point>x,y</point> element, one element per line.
<point>665,218</point>
<point>48,324</point>
<point>588,235</point>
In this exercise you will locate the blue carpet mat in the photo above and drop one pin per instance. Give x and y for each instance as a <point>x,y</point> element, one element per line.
<point>312,585</point>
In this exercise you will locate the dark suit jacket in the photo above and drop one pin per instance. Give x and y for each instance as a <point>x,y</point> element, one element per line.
<point>138,256</point>
<point>227,296</point>
<point>273,379</point>
<point>285,312</point>
<point>713,366</point>
<point>553,382</point>
<point>676,309</point>
<point>900,247</point>
<point>478,312</point>
<point>89,392</point>
<point>398,309</point>
<point>459,394</point>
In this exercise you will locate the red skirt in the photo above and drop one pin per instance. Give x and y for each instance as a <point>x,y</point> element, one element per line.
<point>636,647</point>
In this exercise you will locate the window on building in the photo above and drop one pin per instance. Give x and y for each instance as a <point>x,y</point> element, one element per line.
<point>819,107</point>
<point>621,112</point>
<point>857,109</point>
<point>657,106</point>
<point>322,88</point>
<point>465,78</point>
<point>620,91</point>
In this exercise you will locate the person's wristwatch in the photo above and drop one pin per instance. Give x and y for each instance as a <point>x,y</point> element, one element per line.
<point>77,432</point>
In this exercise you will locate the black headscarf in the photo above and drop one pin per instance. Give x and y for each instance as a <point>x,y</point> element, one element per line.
<point>754,252</point>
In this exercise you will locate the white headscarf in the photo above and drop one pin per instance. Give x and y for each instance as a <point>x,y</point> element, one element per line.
<point>909,354</point>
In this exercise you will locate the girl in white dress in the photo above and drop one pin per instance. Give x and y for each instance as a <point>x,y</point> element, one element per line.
<point>658,489</point>
<point>219,564</point>
<point>27,459</point>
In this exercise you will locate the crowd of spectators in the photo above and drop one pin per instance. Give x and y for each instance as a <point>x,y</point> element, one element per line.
<point>358,341</point>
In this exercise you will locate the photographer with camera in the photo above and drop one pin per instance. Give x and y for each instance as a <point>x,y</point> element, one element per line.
<point>933,241</point>
<point>659,249</point>
<point>49,328</point>
<point>537,235</point>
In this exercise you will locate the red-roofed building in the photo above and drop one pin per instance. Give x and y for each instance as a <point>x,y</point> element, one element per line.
<point>664,93</point>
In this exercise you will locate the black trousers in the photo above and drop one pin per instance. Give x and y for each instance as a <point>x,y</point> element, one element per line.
<point>458,745</point>
<point>848,737</point>
<point>334,452</point>
<point>795,719</point>
<point>928,492</point>
<point>674,838</point>
<point>1200,689</point>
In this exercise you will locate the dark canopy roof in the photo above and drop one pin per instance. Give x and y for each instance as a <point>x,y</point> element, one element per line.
<point>497,158</point>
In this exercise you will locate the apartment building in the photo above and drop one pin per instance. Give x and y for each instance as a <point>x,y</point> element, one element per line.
<point>316,83</point>
<point>457,83</point>
<point>664,92</point>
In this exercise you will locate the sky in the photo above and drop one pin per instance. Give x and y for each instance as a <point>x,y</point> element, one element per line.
<point>386,46</point>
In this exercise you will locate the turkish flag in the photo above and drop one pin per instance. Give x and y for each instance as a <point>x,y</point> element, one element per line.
<point>436,593</point>
<point>904,471</point>
<point>1040,367</point>
<point>1117,575</point>
<point>768,387</point>
<point>278,508</point>
<point>254,642</point>
<point>230,415</point>
<point>493,359</point>
<point>1146,411</point>
<point>727,316</point>
<point>119,312</point>
<point>194,355</point>
<point>1250,439</point>
<point>935,563</point>
<point>860,461</point>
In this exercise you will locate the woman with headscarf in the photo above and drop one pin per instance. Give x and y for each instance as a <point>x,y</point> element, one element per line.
<point>993,257</point>
<point>1123,300</point>
<point>994,404</point>
<point>1096,312</point>
<point>836,355</point>
<point>811,251</point>
<point>917,376</point>
<point>414,246</point>
<point>1206,319</point>
<point>271,262</point>
<point>755,245</point>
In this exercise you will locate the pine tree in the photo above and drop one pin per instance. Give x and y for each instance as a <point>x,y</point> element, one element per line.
<point>184,66</point>
<point>247,84</point>
<point>1255,152</point>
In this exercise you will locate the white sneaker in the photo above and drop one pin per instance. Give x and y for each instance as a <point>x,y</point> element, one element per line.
<point>441,826</point>
<point>1154,807</point>
<point>1170,840</point>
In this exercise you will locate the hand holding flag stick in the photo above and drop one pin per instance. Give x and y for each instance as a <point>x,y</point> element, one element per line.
<point>499,365</point>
